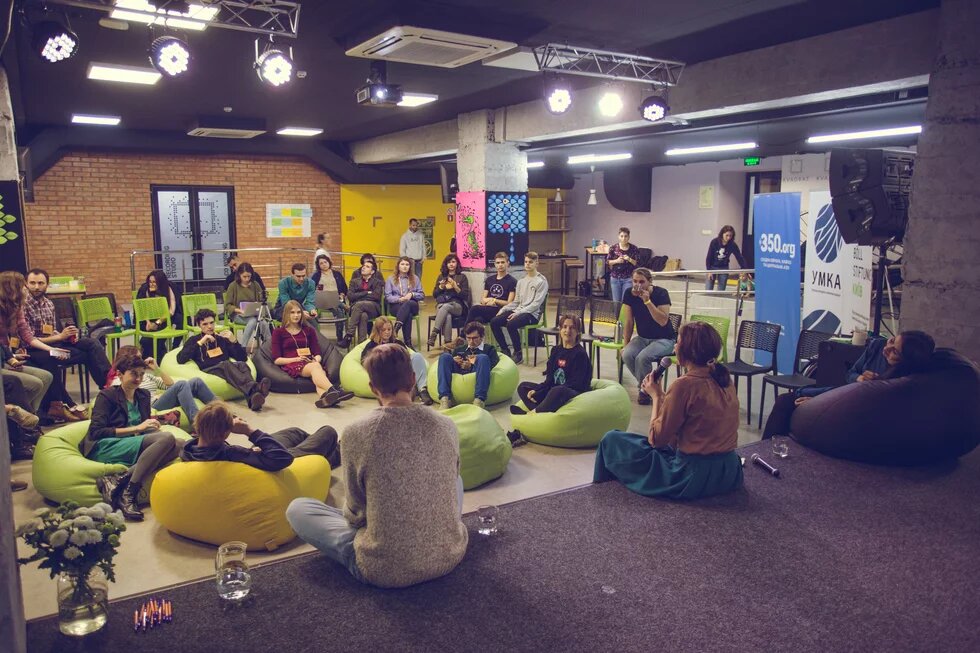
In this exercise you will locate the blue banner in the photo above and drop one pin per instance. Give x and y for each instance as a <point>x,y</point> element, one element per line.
<point>776,223</point>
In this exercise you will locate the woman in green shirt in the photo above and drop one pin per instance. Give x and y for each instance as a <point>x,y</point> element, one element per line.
<point>245,289</point>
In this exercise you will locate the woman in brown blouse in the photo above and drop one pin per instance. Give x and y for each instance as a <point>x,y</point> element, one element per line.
<point>690,451</point>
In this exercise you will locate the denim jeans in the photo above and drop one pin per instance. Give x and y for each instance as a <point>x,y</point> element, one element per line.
<point>421,369</point>
<point>641,354</point>
<point>719,280</point>
<point>448,367</point>
<point>326,528</point>
<point>617,287</point>
<point>182,393</point>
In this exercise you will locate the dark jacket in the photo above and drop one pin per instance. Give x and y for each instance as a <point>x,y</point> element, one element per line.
<point>339,278</point>
<point>463,296</point>
<point>192,351</point>
<point>719,255</point>
<point>376,288</point>
<point>177,318</point>
<point>577,370</point>
<point>871,360</point>
<point>489,350</point>
<point>272,457</point>
<point>230,279</point>
<point>109,414</point>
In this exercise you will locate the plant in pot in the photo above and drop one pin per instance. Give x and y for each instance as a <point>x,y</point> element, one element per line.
<point>77,545</point>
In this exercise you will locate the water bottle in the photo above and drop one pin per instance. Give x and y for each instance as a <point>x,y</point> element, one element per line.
<point>619,331</point>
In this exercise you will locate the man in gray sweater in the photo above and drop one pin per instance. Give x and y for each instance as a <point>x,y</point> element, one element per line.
<point>529,302</point>
<point>412,245</point>
<point>401,466</point>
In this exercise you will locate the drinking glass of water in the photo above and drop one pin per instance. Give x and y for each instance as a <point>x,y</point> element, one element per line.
<point>487,516</point>
<point>231,572</point>
<point>780,446</point>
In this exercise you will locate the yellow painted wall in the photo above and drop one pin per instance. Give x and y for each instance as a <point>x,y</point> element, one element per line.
<point>393,206</point>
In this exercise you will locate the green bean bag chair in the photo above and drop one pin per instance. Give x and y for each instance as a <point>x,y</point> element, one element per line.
<point>581,422</point>
<point>484,449</point>
<point>217,502</point>
<point>61,473</point>
<point>190,370</point>
<point>353,376</point>
<point>504,378</point>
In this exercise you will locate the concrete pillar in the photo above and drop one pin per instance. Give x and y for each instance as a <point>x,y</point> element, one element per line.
<point>942,277</point>
<point>483,161</point>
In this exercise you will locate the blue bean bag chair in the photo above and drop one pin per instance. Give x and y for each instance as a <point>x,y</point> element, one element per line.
<point>484,449</point>
<point>190,370</point>
<point>582,421</point>
<point>913,420</point>
<point>504,378</point>
<point>61,473</point>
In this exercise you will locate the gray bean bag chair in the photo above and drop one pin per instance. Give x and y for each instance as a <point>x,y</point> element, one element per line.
<point>913,420</point>
<point>282,382</point>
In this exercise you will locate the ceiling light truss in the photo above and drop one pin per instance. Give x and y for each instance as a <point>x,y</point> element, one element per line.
<point>571,60</point>
<point>271,17</point>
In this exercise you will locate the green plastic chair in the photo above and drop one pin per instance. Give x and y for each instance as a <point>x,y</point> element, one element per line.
<point>154,308</point>
<point>193,303</point>
<point>603,313</point>
<point>525,332</point>
<point>99,308</point>
<point>721,325</point>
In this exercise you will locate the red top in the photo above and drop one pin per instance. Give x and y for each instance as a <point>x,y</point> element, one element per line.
<point>285,344</point>
<point>23,331</point>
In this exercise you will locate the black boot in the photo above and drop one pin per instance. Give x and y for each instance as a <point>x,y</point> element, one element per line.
<point>110,485</point>
<point>128,504</point>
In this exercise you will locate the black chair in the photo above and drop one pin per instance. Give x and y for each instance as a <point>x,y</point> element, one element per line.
<point>567,305</point>
<point>457,322</point>
<point>64,312</point>
<point>806,351</point>
<point>761,336</point>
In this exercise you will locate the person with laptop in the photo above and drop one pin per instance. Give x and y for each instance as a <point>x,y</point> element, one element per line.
<point>234,260</point>
<point>296,286</point>
<point>243,299</point>
<point>331,291</point>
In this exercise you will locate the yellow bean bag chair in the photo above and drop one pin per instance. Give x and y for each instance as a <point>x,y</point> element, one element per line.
<point>504,378</point>
<point>581,422</point>
<point>189,370</point>
<point>484,450</point>
<point>217,502</point>
<point>61,473</point>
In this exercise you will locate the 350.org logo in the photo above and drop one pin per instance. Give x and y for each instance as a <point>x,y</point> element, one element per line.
<point>773,244</point>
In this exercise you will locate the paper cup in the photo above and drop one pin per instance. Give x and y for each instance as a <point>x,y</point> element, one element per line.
<point>859,338</point>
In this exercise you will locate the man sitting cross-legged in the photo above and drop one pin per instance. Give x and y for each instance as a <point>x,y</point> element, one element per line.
<point>401,523</point>
<point>474,356</point>
<point>214,354</point>
<point>270,452</point>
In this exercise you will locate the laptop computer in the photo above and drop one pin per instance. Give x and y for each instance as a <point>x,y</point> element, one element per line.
<point>250,309</point>
<point>326,300</point>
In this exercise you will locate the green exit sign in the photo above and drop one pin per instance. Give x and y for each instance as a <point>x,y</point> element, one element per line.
<point>752,160</point>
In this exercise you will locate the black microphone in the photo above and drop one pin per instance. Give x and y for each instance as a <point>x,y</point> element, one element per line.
<point>757,459</point>
<point>662,367</point>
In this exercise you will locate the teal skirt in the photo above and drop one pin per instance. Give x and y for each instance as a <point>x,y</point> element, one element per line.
<point>629,458</point>
<point>117,450</point>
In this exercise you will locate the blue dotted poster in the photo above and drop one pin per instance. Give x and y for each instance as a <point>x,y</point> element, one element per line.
<point>507,223</point>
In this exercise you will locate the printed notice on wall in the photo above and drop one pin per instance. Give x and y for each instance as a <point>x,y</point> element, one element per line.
<point>706,197</point>
<point>288,220</point>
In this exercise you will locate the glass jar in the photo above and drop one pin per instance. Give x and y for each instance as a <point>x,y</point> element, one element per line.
<point>231,573</point>
<point>83,602</point>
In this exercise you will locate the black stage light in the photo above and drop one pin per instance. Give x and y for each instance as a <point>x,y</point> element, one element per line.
<point>653,108</point>
<point>274,67</point>
<point>557,97</point>
<point>170,55</point>
<point>54,42</point>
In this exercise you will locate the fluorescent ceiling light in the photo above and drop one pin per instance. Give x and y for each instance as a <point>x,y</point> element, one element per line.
<point>299,131</point>
<point>126,74</point>
<point>598,158</point>
<point>535,164</point>
<point>874,133</point>
<point>417,99</point>
<point>200,14</point>
<point>87,119</point>
<point>711,148</point>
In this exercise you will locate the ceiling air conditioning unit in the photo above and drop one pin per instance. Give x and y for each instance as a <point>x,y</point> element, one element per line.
<point>428,47</point>
<point>226,127</point>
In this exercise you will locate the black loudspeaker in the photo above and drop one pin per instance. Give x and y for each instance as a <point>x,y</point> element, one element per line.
<point>629,188</point>
<point>449,180</point>
<point>870,190</point>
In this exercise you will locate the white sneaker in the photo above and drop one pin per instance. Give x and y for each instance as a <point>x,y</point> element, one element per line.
<point>479,403</point>
<point>444,403</point>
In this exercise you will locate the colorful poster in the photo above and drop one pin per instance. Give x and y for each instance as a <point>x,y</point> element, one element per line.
<point>426,226</point>
<point>288,220</point>
<point>776,217</point>
<point>837,286</point>
<point>471,222</point>
<point>13,250</point>
<point>507,221</point>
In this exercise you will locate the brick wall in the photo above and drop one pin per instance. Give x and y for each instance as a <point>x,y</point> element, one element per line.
<point>92,209</point>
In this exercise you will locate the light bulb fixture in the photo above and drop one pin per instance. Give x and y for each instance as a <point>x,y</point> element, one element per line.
<point>557,98</point>
<point>274,66</point>
<point>170,55</point>
<point>653,109</point>
<point>598,158</point>
<point>535,164</point>
<point>873,133</point>
<point>610,104</point>
<point>728,147</point>
<point>53,42</point>
<point>557,194</point>
<point>592,201</point>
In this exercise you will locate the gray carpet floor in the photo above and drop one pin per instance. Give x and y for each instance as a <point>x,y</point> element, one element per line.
<point>834,556</point>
